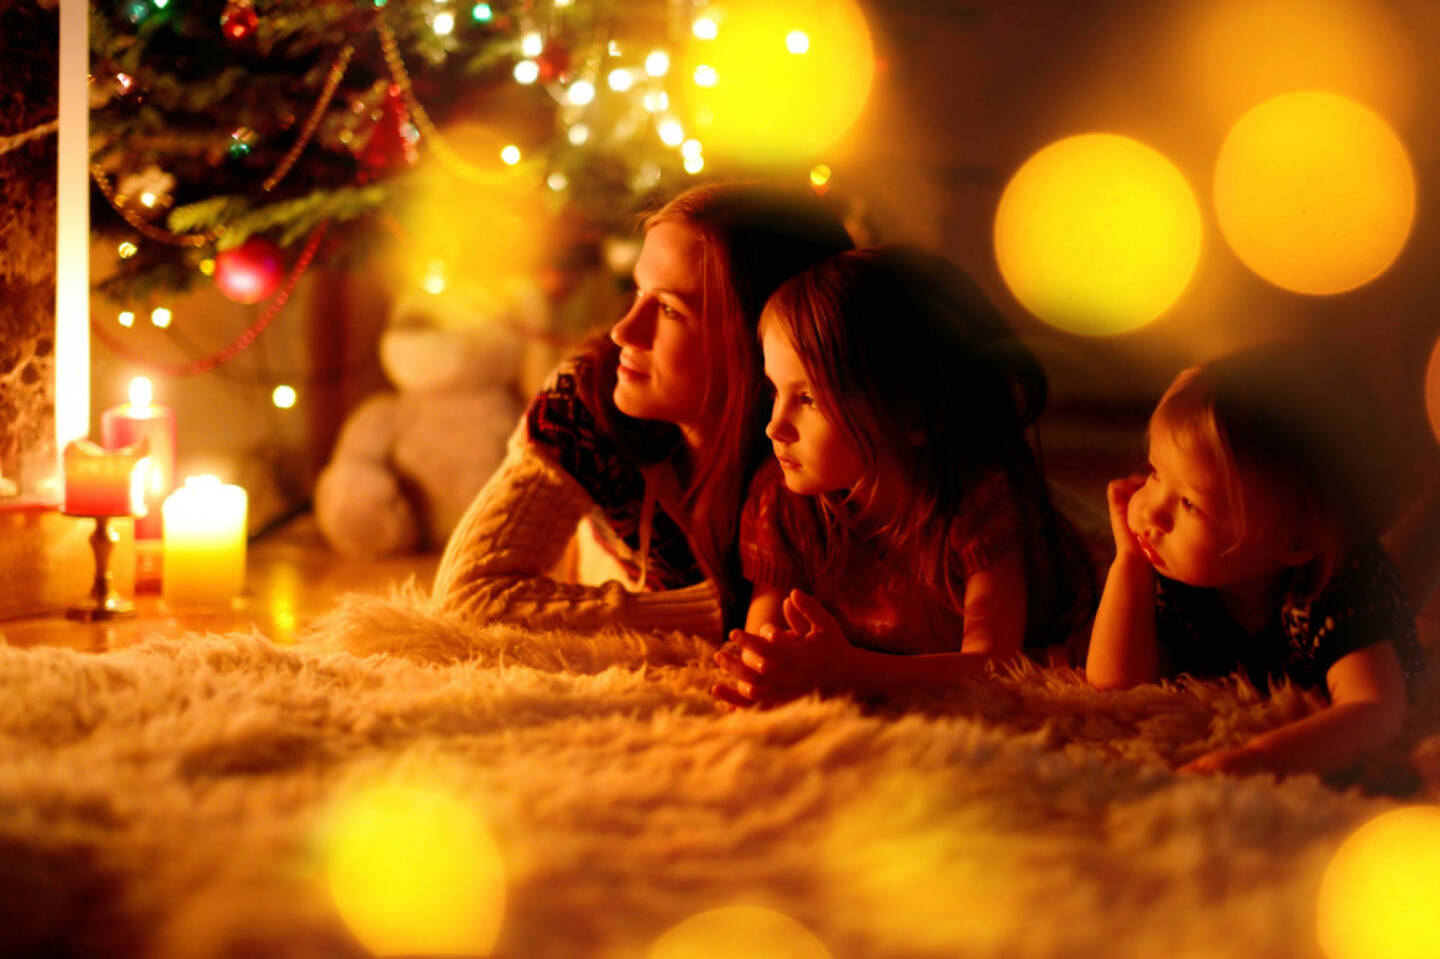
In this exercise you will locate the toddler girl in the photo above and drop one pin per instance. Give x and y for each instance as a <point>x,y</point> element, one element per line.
<point>1250,544</point>
<point>903,536</point>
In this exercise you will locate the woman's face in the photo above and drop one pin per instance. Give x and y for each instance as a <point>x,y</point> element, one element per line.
<point>664,366</point>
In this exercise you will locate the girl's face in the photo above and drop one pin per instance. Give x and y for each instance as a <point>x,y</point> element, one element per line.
<point>814,453</point>
<point>664,366</point>
<point>1185,524</point>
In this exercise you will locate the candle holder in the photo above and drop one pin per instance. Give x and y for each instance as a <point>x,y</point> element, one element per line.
<point>105,603</point>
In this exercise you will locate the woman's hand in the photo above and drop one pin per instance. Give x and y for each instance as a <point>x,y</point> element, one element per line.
<point>1117,495</point>
<point>777,665</point>
<point>1236,761</point>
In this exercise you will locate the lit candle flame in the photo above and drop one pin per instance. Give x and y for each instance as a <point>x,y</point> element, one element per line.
<point>141,392</point>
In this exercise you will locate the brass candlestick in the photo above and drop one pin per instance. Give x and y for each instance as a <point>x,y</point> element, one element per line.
<point>104,602</point>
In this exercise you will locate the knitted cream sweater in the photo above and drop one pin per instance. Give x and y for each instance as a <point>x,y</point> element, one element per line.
<point>516,530</point>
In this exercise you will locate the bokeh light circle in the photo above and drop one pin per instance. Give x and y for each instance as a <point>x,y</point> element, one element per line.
<point>1377,898</point>
<point>767,102</point>
<point>749,931</point>
<point>1432,390</point>
<point>1097,234</point>
<point>1314,192</point>
<point>414,871</point>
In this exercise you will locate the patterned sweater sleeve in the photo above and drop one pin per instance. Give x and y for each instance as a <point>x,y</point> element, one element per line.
<point>495,564</point>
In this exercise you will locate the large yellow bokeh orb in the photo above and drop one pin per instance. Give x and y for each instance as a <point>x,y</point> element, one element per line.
<point>783,79</point>
<point>1432,390</point>
<point>413,871</point>
<point>1378,896</point>
<point>1314,192</point>
<point>1097,234</point>
<point>752,932</point>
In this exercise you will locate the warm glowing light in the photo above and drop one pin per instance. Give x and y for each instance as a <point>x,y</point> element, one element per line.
<point>1097,234</point>
<point>141,391</point>
<point>531,44</point>
<point>691,148</point>
<point>1246,51</point>
<point>705,29</point>
<point>413,871</point>
<point>578,134</point>
<point>125,80</point>
<point>750,931</point>
<point>1314,192</point>
<point>283,396</point>
<point>1377,900</point>
<point>656,100</point>
<point>797,42</point>
<point>161,317</point>
<point>527,71</point>
<point>819,175</point>
<point>444,23</point>
<point>657,63</point>
<point>620,80</point>
<point>694,164</point>
<point>148,199</point>
<point>435,280</point>
<point>1432,390</point>
<point>581,92</point>
<point>126,318</point>
<point>126,249</point>
<point>672,134</point>
<point>764,103</point>
<point>557,181</point>
<point>207,266</point>
<point>510,154</point>
<point>482,13</point>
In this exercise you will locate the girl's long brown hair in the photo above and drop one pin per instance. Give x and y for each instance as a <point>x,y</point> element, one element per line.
<point>921,372</point>
<point>754,237</point>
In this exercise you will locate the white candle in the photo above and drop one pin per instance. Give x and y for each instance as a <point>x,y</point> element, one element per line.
<point>204,554</point>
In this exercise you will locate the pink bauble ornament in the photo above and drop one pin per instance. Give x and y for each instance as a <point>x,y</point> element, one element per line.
<point>239,20</point>
<point>249,272</point>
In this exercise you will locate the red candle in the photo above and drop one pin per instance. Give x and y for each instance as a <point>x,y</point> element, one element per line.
<point>128,424</point>
<point>98,482</point>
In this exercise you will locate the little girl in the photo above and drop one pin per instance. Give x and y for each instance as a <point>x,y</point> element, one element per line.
<point>903,537</point>
<point>1250,544</point>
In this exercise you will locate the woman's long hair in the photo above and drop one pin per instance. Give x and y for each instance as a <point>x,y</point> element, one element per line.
<point>753,238</point>
<point>929,382</point>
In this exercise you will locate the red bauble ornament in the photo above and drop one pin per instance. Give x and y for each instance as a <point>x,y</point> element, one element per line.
<point>239,20</point>
<point>249,272</point>
<point>391,143</point>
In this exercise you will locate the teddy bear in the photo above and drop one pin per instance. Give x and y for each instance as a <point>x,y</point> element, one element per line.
<point>408,462</point>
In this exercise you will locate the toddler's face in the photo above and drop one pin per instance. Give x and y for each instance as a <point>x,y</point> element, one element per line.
<point>814,453</point>
<point>1184,522</point>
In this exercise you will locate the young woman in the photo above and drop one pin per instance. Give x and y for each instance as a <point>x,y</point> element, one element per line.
<point>652,433</point>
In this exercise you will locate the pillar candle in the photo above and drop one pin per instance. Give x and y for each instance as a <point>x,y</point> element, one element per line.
<point>126,425</point>
<point>204,555</point>
<point>98,482</point>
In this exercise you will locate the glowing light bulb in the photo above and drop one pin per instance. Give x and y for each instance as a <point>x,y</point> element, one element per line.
<point>797,42</point>
<point>705,76</point>
<point>126,318</point>
<point>161,317</point>
<point>148,199</point>
<point>557,181</point>
<point>444,24</point>
<point>672,134</point>
<point>694,164</point>
<point>620,80</point>
<point>127,250</point>
<point>656,100</point>
<point>581,92</point>
<point>283,396</point>
<point>207,266</point>
<point>435,281</point>
<point>691,148</point>
<point>578,134</point>
<point>657,63</point>
<point>705,29</point>
<point>531,44</point>
<point>819,175</point>
<point>527,71</point>
<point>482,13</point>
<point>141,391</point>
<point>510,154</point>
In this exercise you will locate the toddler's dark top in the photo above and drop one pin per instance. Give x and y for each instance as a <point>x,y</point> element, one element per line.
<point>1364,603</point>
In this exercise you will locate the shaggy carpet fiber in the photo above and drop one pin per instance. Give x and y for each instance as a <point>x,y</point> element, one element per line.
<point>179,799</point>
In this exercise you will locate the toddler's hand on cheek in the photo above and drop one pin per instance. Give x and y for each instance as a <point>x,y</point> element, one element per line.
<point>1118,494</point>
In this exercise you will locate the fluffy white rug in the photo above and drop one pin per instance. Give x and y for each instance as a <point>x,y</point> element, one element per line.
<point>172,800</point>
